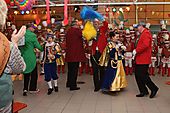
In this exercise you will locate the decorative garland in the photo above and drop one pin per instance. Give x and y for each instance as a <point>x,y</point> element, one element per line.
<point>24,5</point>
<point>65,12</point>
<point>48,11</point>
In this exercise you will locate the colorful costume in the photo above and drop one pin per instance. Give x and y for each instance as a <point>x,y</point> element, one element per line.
<point>61,61</point>
<point>50,66</point>
<point>114,78</point>
<point>98,46</point>
<point>160,40</point>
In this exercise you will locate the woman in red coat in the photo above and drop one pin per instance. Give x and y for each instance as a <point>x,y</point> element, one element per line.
<point>143,53</point>
<point>75,53</point>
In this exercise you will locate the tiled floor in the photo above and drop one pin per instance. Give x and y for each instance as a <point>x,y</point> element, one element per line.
<point>87,101</point>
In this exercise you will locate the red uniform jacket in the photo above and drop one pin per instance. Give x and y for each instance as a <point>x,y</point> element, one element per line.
<point>74,46</point>
<point>144,48</point>
<point>102,40</point>
<point>154,50</point>
<point>166,52</point>
<point>129,46</point>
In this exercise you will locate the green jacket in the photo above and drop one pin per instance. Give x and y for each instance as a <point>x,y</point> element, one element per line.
<point>27,51</point>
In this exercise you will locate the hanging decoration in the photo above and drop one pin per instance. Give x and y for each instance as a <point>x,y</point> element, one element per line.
<point>48,11</point>
<point>24,5</point>
<point>37,20</point>
<point>65,12</point>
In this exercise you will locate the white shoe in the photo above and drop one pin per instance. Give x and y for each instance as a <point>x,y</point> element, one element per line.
<point>34,92</point>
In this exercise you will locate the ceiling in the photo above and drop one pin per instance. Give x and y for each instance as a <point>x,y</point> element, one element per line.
<point>42,2</point>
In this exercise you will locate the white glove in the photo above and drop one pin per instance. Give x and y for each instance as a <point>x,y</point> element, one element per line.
<point>90,43</point>
<point>119,44</point>
<point>134,52</point>
<point>123,47</point>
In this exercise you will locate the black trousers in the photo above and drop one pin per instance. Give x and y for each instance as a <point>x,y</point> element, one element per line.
<point>143,79</point>
<point>31,84</point>
<point>98,71</point>
<point>72,74</point>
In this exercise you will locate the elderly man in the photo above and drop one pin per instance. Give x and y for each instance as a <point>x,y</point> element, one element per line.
<point>143,59</point>
<point>75,53</point>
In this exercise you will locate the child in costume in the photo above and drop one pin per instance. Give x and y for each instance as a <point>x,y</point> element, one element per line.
<point>114,78</point>
<point>52,51</point>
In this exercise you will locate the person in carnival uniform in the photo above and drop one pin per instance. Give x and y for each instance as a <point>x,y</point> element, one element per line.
<point>29,56</point>
<point>160,40</point>
<point>154,56</point>
<point>142,54</point>
<point>122,32</point>
<point>61,60</point>
<point>133,34</point>
<point>10,61</point>
<point>166,58</point>
<point>115,78</point>
<point>52,51</point>
<point>98,45</point>
<point>128,53</point>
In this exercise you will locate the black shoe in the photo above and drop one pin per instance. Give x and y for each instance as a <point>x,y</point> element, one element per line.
<point>96,89</point>
<point>41,73</point>
<point>25,93</point>
<point>50,90</point>
<point>75,88</point>
<point>153,93</point>
<point>56,88</point>
<point>142,95</point>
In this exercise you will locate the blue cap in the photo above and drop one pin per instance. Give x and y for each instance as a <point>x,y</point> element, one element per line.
<point>139,24</point>
<point>50,35</point>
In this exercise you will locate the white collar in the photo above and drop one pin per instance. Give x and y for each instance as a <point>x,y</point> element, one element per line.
<point>50,44</point>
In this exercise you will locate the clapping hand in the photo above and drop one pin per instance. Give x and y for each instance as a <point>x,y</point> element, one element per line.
<point>17,36</point>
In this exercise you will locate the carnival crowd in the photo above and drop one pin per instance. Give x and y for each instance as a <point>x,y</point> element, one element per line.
<point>109,56</point>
